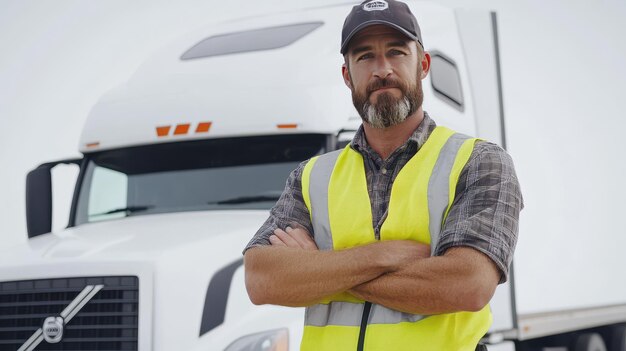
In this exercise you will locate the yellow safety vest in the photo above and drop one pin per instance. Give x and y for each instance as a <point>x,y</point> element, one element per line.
<point>334,187</point>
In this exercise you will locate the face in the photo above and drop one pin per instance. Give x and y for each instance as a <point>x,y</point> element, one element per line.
<point>385,75</point>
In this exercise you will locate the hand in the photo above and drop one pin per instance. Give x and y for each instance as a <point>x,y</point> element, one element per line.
<point>297,238</point>
<point>396,255</point>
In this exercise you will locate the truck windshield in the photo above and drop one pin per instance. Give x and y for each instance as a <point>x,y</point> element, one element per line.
<point>214,174</point>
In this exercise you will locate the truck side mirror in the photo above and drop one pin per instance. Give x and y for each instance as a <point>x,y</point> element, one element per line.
<point>39,198</point>
<point>39,201</point>
<point>344,137</point>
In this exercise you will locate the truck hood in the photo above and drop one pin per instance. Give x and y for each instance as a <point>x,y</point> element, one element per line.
<point>140,238</point>
<point>177,257</point>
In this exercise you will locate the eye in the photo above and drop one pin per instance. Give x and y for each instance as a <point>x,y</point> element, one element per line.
<point>395,52</point>
<point>365,56</point>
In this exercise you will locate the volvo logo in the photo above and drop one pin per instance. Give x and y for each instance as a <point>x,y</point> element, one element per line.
<point>53,329</point>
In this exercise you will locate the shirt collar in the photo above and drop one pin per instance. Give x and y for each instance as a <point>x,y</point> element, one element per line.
<point>419,136</point>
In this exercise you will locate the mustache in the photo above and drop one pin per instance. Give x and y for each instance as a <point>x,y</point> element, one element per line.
<point>384,83</point>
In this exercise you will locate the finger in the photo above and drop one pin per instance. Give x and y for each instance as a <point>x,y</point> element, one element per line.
<point>303,237</point>
<point>275,241</point>
<point>287,239</point>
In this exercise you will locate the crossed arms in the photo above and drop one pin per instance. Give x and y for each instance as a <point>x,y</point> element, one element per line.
<point>398,274</point>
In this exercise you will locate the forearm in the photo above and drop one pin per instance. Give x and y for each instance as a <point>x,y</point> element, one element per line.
<point>435,285</point>
<point>294,277</point>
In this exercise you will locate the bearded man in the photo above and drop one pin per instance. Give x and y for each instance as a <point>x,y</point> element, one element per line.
<point>398,241</point>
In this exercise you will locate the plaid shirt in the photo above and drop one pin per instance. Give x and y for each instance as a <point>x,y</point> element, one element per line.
<point>483,216</point>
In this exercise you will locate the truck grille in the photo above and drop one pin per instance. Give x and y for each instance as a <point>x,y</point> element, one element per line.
<point>109,321</point>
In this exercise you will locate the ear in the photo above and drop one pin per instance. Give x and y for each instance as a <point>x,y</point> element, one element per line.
<point>346,76</point>
<point>425,65</point>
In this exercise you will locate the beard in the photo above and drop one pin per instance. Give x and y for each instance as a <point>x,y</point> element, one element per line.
<point>388,110</point>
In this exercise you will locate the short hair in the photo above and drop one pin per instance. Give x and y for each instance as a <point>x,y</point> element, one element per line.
<point>420,52</point>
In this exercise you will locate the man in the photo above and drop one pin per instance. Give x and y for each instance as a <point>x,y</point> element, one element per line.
<point>398,241</point>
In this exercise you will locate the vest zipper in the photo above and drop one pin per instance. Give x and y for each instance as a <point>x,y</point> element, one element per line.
<point>367,307</point>
<point>364,318</point>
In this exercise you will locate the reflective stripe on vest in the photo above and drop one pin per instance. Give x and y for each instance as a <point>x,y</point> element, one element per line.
<point>335,191</point>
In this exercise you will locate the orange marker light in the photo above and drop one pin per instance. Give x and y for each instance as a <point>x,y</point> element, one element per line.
<point>203,127</point>
<point>287,126</point>
<point>181,129</point>
<point>96,144</point>
<point>163,131</point>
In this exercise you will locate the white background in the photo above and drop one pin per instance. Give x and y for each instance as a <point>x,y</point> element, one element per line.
<point>563,76</point>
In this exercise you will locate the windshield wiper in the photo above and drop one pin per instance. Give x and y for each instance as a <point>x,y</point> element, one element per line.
<point>245,200</point>
<point>128,210</point>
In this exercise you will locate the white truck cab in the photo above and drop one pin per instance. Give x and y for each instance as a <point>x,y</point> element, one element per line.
<point>181,166</point>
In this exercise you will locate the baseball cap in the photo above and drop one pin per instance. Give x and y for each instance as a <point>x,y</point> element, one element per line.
<point>391,13</point>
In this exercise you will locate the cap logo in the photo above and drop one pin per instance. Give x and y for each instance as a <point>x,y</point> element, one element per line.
<point>376,5</point>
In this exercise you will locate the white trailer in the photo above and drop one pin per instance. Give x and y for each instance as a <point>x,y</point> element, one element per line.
<point>182,164</point>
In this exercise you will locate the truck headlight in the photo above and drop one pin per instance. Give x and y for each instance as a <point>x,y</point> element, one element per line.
<point>271,340</point>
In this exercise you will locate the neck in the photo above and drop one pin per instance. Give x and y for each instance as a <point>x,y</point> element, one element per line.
<point>386,140</point>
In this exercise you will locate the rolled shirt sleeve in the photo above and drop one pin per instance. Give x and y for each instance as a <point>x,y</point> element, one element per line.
<point>485,212</point>
<point>289,210</point>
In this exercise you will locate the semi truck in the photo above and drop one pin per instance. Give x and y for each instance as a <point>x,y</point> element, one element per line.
<point>182,163</point>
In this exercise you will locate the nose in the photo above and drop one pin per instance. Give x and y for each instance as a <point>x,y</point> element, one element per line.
<point>383,67</point>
